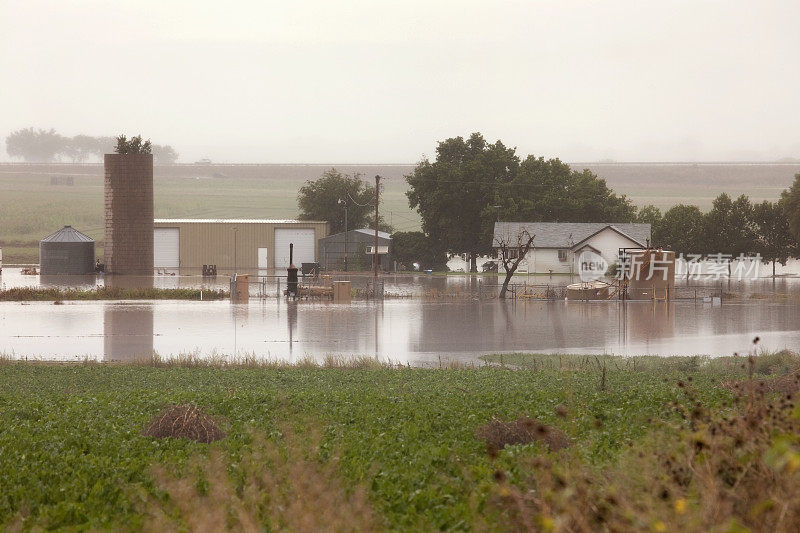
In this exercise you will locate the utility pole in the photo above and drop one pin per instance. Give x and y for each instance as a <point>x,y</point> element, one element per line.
<point>344,202</point>
<point>375,259</point>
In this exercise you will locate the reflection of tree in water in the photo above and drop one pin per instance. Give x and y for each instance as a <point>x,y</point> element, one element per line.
<point>127,331</point>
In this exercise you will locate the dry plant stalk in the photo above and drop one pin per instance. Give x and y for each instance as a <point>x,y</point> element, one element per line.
<point>731,468</point>
<point>280,488</point>
<point>185,421</point>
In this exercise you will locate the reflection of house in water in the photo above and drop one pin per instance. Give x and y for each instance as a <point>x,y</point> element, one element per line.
<point>128,332</point>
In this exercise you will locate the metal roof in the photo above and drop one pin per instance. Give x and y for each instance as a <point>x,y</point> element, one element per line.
<point>67,234</point>
<point>381,234</point>
<point>568,234</point>
<point>233,221</point>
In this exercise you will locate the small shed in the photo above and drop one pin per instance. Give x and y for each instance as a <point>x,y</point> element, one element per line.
<point>67,251</point>
<point>357,246</point>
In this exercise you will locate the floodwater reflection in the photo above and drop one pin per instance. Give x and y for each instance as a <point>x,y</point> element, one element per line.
<point>416,331</point>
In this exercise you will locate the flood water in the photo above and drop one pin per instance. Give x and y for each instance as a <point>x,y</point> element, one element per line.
<point>408,330</point>
<point>441,321</point>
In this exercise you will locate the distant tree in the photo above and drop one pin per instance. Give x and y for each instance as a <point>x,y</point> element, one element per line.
<point>409,247</point>
<point>729,227</point>
<point>775,241</point>
<point>649,214</point>
<point>39,146</point>
<point>680,230</point>
<point>133,146</point>
<point>550,191</point>
<point>104,145</point>
<point>80,147</point>
<point>164,154</point>
<point>455,193</point>
<point>327,197</point>
<point>790,201</point>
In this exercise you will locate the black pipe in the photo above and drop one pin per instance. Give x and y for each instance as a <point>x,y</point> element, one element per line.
<point>291,274</point>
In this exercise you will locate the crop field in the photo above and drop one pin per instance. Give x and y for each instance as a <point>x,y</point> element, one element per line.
<point>363,446</point>
<point>31,208</point>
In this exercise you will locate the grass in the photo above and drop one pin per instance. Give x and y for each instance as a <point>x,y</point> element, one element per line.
<point>55,294</point>
<point>72,453</point>
<point>31,208</point>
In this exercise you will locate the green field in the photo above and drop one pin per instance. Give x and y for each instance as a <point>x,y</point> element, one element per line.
<point>362,445</point>
<point>31,208</point>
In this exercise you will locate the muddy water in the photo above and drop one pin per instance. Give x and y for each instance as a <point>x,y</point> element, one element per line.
<point>405,330</point>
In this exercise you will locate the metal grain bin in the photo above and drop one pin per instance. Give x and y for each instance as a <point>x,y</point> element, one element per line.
<point>67,251</point>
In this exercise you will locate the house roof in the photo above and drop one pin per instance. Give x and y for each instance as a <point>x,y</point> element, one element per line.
<point>67,234</point>
<point>567,234</point>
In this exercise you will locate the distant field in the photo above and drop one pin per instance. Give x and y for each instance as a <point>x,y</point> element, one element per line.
<point>31,208</point>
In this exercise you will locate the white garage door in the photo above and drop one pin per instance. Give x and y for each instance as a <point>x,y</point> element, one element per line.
<point>303,240</point>
<point>166,248</point>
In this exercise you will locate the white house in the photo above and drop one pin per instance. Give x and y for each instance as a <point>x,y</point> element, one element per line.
<point>558,245</point>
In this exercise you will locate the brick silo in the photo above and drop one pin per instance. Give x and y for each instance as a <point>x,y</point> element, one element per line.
<point>128,246</point>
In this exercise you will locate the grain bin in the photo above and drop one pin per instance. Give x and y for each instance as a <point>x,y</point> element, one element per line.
<point>67,251</point>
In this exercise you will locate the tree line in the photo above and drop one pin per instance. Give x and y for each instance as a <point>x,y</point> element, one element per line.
<point>46,146</point>
<point>731,227</point>
<point>471,184</point>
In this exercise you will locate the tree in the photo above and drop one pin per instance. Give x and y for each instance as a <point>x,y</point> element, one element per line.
<point>80,147</point>
<point>680,230</point>
<point>40,146</point>
<point>409,247</point>
<point>775,240</point>
<point>728,226</point>
<point>454,194</point>
<point>512,251</point>
<point>790,200</point>
<point>164,154</point>
<point>133,146</point>
<point>649,214</point>
<point>327,198</point>
<point>550,191</point>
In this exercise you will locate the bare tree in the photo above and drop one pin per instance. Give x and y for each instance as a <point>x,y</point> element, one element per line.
<point>512,253</point>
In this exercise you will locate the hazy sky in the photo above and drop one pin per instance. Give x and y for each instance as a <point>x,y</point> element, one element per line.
<point>327,81</point>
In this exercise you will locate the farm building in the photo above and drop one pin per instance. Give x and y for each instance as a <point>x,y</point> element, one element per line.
<point>66,252</point>
<point>557,246</point>
<point>248,246</point>
<point>358,244</point>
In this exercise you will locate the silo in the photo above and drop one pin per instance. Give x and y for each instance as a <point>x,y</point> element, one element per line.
<point>128,236</point>
<point>67,251</point>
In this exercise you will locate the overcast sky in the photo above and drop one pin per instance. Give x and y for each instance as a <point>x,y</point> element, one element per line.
<point>381,82</point>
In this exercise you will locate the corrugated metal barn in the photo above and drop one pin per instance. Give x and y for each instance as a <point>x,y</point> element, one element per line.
<point>249,246</point>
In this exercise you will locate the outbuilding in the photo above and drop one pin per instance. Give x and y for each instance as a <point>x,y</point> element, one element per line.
<point>358,247</point>
<point>66,252</point>
<point>246,246</point>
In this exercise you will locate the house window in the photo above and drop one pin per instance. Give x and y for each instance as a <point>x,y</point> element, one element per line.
<point>562,255</point>
<point>512,253</point>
